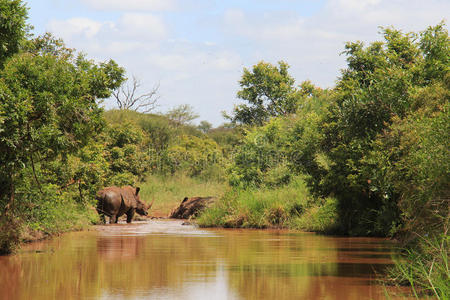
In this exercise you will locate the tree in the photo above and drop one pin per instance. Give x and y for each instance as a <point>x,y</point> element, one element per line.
<point>48,110</point>
<point>13,27</point>
<point>182,114</point>
<point>204,126</point>
<point>269,91</point>
<point>48,44</point>
<point>127,98</point>
<point>381,84</point>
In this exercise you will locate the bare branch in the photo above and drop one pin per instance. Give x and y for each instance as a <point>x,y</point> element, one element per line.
<point>126,97</point>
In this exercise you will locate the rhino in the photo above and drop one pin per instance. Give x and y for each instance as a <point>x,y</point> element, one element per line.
<point>191,207</point>
<point>115,201</point>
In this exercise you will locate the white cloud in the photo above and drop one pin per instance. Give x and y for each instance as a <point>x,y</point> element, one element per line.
<point>189,62</point>
<point>130,30</point>
<point>131,5</point>
<point>75,26</point>
<point>142,26</point>
<point>311,45</point>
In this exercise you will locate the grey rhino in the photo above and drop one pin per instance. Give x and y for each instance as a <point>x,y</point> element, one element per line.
<point>115,201</point>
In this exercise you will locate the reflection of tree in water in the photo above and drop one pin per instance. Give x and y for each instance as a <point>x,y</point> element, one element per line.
<point>60,270</point>
<point>281,267</point>
<point>305,267</point>
<point>161,262</point>
<point>10,277</point>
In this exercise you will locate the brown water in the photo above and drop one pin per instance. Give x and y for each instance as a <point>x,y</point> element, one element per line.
<point>165,260</point>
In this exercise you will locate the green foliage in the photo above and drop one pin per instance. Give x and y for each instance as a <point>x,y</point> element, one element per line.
<point>204,126</point>
<point>13,27</point>
<point>318,216</point>
<point>383,84</point>
<point>425,267</point>
<point>155,144</point>
<point>126,153</point>
<point>49,119</point>
<point>259,156</point>
<point>47,44</point>
<point>280,207</point>
<point>50,208</point>
<point>193,155</point>
<point>285,146</point>
<point>269,91</point>
<point>228,138</point>
<point>48,108</point>
<point>159,132</point>
<point>435,46</point>
<point>182,115</point>
<point>409,166</point>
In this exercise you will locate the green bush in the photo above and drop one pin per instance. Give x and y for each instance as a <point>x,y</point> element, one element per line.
<point>321,217</point>
<point>193,155</point>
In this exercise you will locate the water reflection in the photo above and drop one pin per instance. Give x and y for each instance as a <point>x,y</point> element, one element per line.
<point>165,260</point>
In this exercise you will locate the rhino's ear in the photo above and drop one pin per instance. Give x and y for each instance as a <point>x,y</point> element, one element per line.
<point>137,190</point>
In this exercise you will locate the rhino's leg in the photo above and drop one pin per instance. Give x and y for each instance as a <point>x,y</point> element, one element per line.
<point>101,215</point>
<point>102,218</point>
<point>113,219</point>
<point>130,215</point>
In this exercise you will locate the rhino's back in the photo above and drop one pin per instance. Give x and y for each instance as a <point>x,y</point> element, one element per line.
<point>128,195</point>
<point>109,199</point>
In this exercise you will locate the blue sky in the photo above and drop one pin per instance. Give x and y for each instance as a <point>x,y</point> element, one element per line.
<point>196,49</point>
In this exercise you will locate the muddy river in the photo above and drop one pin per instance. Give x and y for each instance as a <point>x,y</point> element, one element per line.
<point>167,260</point>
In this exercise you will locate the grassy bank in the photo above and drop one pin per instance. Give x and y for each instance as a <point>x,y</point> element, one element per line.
<point>52,219</point>
<point>289,206</point>
<point>424,267</point>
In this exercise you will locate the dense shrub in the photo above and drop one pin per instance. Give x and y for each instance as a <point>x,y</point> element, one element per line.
<point>194,155</point>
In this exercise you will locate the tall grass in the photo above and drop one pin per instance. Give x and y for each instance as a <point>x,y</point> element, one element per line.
<point>425,267</point>
<point>281,207</point>
<point>318,217</point>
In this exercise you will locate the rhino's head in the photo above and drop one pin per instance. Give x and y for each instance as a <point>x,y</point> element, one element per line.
<point>141,207</point>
